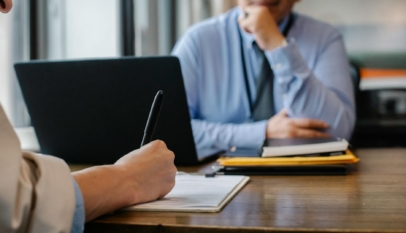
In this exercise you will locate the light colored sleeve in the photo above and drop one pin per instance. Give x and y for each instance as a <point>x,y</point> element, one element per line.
<point>326,93</point>
<point>211,134</point>
<point>224,136</point>
<point>37,193</point>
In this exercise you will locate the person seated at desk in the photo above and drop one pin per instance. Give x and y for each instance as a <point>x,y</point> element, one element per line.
<point>262,71</point>
<point>38,193</point>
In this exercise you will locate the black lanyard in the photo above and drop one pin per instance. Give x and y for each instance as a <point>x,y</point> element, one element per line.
<point>247,87</point>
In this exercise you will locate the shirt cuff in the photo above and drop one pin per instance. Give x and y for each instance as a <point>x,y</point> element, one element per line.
<point>287,63</point>
<point>250,135</point>
<point>78,222</point>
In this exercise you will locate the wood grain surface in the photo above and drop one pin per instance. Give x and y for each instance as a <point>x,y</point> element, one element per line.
<point>371,198</point>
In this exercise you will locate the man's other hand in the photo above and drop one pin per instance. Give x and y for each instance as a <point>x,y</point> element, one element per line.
<point>281,126</point>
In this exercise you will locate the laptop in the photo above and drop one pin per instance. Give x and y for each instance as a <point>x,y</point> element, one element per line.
<point>95,111</point>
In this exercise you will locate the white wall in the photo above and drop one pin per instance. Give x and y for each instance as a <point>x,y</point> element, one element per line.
<point>350,12</point>
<point>367,25</point>
<point>81,29</point>
<point>92,28</point>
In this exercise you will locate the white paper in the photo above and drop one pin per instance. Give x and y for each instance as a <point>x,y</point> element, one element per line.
<point>196,193</point>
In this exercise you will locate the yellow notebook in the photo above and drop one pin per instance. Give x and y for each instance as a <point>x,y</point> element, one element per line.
<point>347,158</point>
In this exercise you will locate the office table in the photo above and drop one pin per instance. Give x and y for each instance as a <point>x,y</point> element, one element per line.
<point>371,198</point>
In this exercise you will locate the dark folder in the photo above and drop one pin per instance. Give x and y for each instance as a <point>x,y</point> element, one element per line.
<point>287,170</point>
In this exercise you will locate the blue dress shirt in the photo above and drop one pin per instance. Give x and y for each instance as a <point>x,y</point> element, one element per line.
<point>78,222</point>
<point>312,79</point>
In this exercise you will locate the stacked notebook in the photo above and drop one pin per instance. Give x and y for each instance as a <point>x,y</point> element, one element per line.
<point>304,146</point>
<point>291,156</point>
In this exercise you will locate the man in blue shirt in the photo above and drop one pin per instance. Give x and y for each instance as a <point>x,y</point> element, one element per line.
<point>260,71</point>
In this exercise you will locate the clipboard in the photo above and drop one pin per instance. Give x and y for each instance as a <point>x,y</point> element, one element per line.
<point>296,165</point>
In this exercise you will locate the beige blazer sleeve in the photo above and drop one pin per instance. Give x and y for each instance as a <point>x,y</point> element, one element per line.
<point>36,191</point>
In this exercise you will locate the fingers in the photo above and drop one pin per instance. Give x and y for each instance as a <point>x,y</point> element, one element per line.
<point>169,183</point>
<point>245,24</point>
<point>310,123</point>
<point>283,112</point>
<point>249,17</point>
<point>308,133</point>
<point>281,126</point>
<point>158,144</point>
<point>304,122</point>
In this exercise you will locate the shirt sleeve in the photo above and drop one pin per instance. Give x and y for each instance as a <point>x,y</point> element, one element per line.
<point>79,215</point>
<point>224,136</point>
<point>324,93</point>
<point>208,134</point>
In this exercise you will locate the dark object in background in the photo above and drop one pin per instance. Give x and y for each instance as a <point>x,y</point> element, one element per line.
<point>332,170</point>
<point>381,116</point>
<point>380,122</point>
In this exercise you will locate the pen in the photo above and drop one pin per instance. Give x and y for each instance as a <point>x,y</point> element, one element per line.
<point>153,118</point>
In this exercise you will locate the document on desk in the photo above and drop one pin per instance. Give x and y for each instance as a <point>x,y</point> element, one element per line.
<point>196,193</point>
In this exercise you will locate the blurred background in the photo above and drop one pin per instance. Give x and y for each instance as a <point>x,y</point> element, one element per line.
<point>374,32</point>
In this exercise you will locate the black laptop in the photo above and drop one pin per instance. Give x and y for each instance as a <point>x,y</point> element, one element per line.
<point>95,111</point>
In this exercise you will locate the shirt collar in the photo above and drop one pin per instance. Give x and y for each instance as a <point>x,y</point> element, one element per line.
<point>249,38</point>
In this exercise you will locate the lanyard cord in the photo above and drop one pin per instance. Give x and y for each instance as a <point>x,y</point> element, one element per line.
<point>247,88</point>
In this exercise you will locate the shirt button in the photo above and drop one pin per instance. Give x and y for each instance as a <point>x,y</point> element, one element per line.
<point>278,65</point>
<point>284,96</point>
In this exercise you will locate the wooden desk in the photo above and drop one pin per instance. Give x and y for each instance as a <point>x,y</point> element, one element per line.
<point>372,198</point>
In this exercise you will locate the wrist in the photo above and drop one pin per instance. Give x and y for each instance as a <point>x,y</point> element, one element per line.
<point>104,189</point>
<point>268,134</point>
<point>128,184</point>
<point>276,42</point>
<point>268,131</point>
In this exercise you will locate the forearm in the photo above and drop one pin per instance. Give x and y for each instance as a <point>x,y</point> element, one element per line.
<point>104,189</point>
<point>314,100</point>
<point>224,136</point>
<point>306,96</point>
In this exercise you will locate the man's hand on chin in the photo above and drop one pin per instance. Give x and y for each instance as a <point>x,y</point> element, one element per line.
<point>258,21</point>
